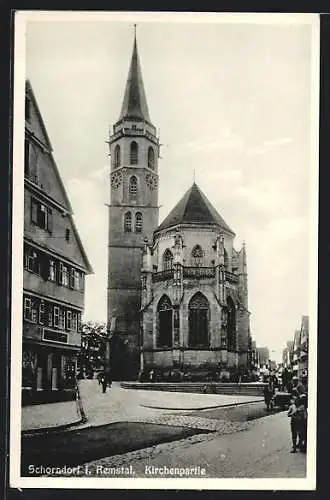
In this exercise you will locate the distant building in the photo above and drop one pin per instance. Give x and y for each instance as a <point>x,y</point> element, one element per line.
<point>55,265</point>
<point>287,354</point>
<point>263,356</point>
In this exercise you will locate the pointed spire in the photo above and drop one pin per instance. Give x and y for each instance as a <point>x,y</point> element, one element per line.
<point>135,102</point>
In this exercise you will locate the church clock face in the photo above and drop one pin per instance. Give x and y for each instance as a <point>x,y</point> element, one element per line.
<point>116,179</point>
<point>151,181</point>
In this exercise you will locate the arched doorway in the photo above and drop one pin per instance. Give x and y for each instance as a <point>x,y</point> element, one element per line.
<point>165,314</point>
<point>199,313</point>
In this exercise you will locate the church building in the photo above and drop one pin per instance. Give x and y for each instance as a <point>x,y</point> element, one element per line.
<point>177,292</point>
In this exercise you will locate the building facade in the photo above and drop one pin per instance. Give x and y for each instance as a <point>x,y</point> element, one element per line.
<point>194,292</point>
<point>133,216</point>
<point>177,292</point>
<point>55,265</point>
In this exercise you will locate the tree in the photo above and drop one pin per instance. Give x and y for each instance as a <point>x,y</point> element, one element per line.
<point>92,352</point>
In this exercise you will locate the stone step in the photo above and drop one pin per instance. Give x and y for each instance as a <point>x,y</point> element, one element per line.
<point>198,387</point>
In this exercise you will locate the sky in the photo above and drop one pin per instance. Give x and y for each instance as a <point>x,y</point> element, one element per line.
<point>231,101</point>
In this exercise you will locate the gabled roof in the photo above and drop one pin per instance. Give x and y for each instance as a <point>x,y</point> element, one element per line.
<point>65,199</point>
<point>194,208</point>
<point>135,102</point>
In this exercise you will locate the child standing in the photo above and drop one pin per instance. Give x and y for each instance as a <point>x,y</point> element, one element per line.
<point>292,412</point>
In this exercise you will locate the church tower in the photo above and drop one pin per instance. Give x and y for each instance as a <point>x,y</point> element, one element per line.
<point>133,216</point>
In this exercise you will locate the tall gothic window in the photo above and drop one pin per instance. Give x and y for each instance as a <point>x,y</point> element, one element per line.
<point>225,255</point>
<point>138,222</point>
<point>164,313</point>
<point>199,313</point>
<point>151,158</point>
<point>167,259</point>
<point>128,222</point>
<point>133,187</point>
<point>231,325</point>
<point>197,256</point>
<point>117,156</point>
<point>134,153</point>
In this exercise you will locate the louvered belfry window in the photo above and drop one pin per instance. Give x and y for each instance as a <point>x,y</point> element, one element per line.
<point>128,222</point>
<point>134,153</point>
<point>117,156</point>
<point>133,187</point>
<point>151,158</point>
<point>199,312</point>
<point>138,222</point>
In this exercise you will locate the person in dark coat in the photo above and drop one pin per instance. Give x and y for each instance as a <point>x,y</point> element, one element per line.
<point>268,394</point>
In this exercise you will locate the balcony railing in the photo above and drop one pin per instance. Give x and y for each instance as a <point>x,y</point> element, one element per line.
<point>198,272</point>
<point>231,277</point>
<point>167,274</point>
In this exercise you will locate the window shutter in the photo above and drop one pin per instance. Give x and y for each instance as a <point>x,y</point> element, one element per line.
<point>49,220</point>
<point>34,211</point>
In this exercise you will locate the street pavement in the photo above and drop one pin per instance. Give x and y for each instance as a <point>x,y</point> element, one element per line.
<point>260,450</point>
<point>119,404</point>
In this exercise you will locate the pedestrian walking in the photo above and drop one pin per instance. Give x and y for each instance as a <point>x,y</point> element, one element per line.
<point>268,394</point>
<point>292,413</point>
<point>104,384</point>
<point>302,423</point>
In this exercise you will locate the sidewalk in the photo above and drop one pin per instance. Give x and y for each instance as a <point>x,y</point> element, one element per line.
<point>118,405</point>
<point>261,451</point>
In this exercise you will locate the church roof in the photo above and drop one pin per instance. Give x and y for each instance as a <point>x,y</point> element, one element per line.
<point>194,208</point>
<point>135,102</point>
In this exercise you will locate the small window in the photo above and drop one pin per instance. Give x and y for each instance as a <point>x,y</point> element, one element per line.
<point>41,215</point>
<point>50,315</point>
<point>42,312</point>
<point>74,321</point>
<point>56,316</point>
<point>67,234</point>
<point>133,187</point>
<point>151,158</point>
<point>79,325</point>
<point>65,280</point>
<point>128,222</point>
<point>117,156</point>
<point>72,277</point>
<point>52,270</point>
<point>138,222</point>
<point>32,261</point>
<point>27,309</point>
<point>134,153</point>
<point>69,320</point>
<point>61,322</point>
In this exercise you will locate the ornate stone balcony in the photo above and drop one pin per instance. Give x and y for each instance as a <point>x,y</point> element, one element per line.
<point>167,274</point>
<point>198,272</point>
<point>231,277</point>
